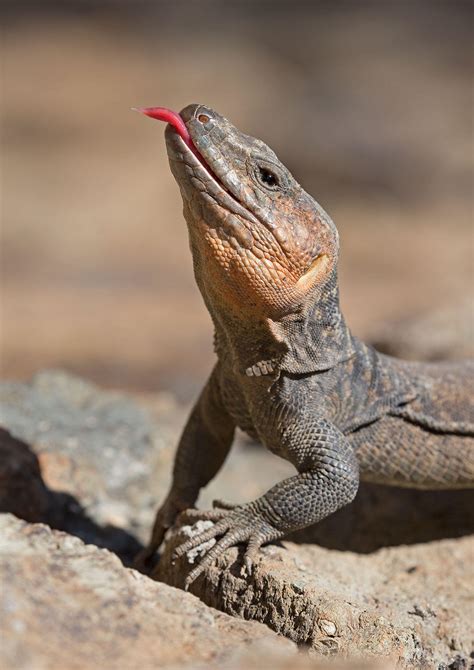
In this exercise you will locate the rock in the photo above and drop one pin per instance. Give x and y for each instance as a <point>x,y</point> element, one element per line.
<point>64,604</point>
<point>106,435</point>
<point>96,464</point>
<point>409,605</point>
<point>104,457</point>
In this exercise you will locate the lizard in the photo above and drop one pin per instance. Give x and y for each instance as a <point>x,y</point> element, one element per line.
<point>289,372</point>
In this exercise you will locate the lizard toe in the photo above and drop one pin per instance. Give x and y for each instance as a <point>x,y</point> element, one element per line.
<point>192,515</point>
<point>223,504</point>
<point>217,550</point>
<point>200,538</point>
<point>250,555</point>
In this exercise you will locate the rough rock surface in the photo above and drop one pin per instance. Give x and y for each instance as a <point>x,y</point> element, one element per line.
<point>412,605</point>
<point>67,605</point>
<point>104,457</point>
<point>96,464</point>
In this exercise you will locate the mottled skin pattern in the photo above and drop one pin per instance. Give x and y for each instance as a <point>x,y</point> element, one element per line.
<point>289,372</point>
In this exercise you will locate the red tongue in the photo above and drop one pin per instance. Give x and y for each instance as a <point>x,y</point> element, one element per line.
<point>164,114</point>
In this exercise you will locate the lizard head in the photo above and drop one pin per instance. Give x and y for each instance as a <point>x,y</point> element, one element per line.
<point>259,241</point>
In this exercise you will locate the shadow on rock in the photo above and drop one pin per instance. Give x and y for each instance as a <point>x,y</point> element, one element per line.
<point>24,493</point>
<point>383,516</point>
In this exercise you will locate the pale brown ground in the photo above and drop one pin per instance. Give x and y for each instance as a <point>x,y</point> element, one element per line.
<point>370,109</point>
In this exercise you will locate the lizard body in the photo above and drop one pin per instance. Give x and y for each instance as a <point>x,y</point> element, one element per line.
<point>289,372</point>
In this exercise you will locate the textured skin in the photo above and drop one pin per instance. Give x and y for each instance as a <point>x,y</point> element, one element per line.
<point>289,372</point>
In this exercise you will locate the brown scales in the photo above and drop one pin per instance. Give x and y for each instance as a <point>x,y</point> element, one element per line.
<point>289,372</point>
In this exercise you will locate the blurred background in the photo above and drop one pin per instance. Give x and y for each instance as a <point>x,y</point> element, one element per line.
<point>368,103</point>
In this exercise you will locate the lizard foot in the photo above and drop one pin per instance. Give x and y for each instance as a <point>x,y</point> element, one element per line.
<point>221,507</point>
<point>242,524</point>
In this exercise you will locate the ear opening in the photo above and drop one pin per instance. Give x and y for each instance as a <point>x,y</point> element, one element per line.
<point>317,267</point>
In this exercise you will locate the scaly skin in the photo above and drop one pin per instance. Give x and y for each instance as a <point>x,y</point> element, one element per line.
<point>289,372</point>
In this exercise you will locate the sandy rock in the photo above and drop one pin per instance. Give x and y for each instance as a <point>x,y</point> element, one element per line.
<point>412,606</point>
<point>67,605</point>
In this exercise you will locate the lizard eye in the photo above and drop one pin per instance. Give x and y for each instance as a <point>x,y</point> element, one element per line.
<point>267,177</point>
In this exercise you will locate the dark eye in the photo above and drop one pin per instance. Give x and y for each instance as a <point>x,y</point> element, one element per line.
<point>267,177</point>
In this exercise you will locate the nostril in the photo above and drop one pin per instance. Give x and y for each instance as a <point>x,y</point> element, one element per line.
<point>203,118</point>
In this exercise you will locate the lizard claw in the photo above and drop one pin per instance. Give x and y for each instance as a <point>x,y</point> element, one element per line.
<point>253,548</point>
<point>247,568</point>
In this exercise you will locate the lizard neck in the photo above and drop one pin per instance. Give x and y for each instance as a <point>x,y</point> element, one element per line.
<point>317,337</point>
<point>312,339</point>
<point>250,349</point>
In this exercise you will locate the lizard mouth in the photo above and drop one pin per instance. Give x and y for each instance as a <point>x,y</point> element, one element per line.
<point>196,162</point>
<point>175,120</point>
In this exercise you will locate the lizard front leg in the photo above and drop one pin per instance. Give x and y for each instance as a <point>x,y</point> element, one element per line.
<point>327,479</point>
<point>202,449</point>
